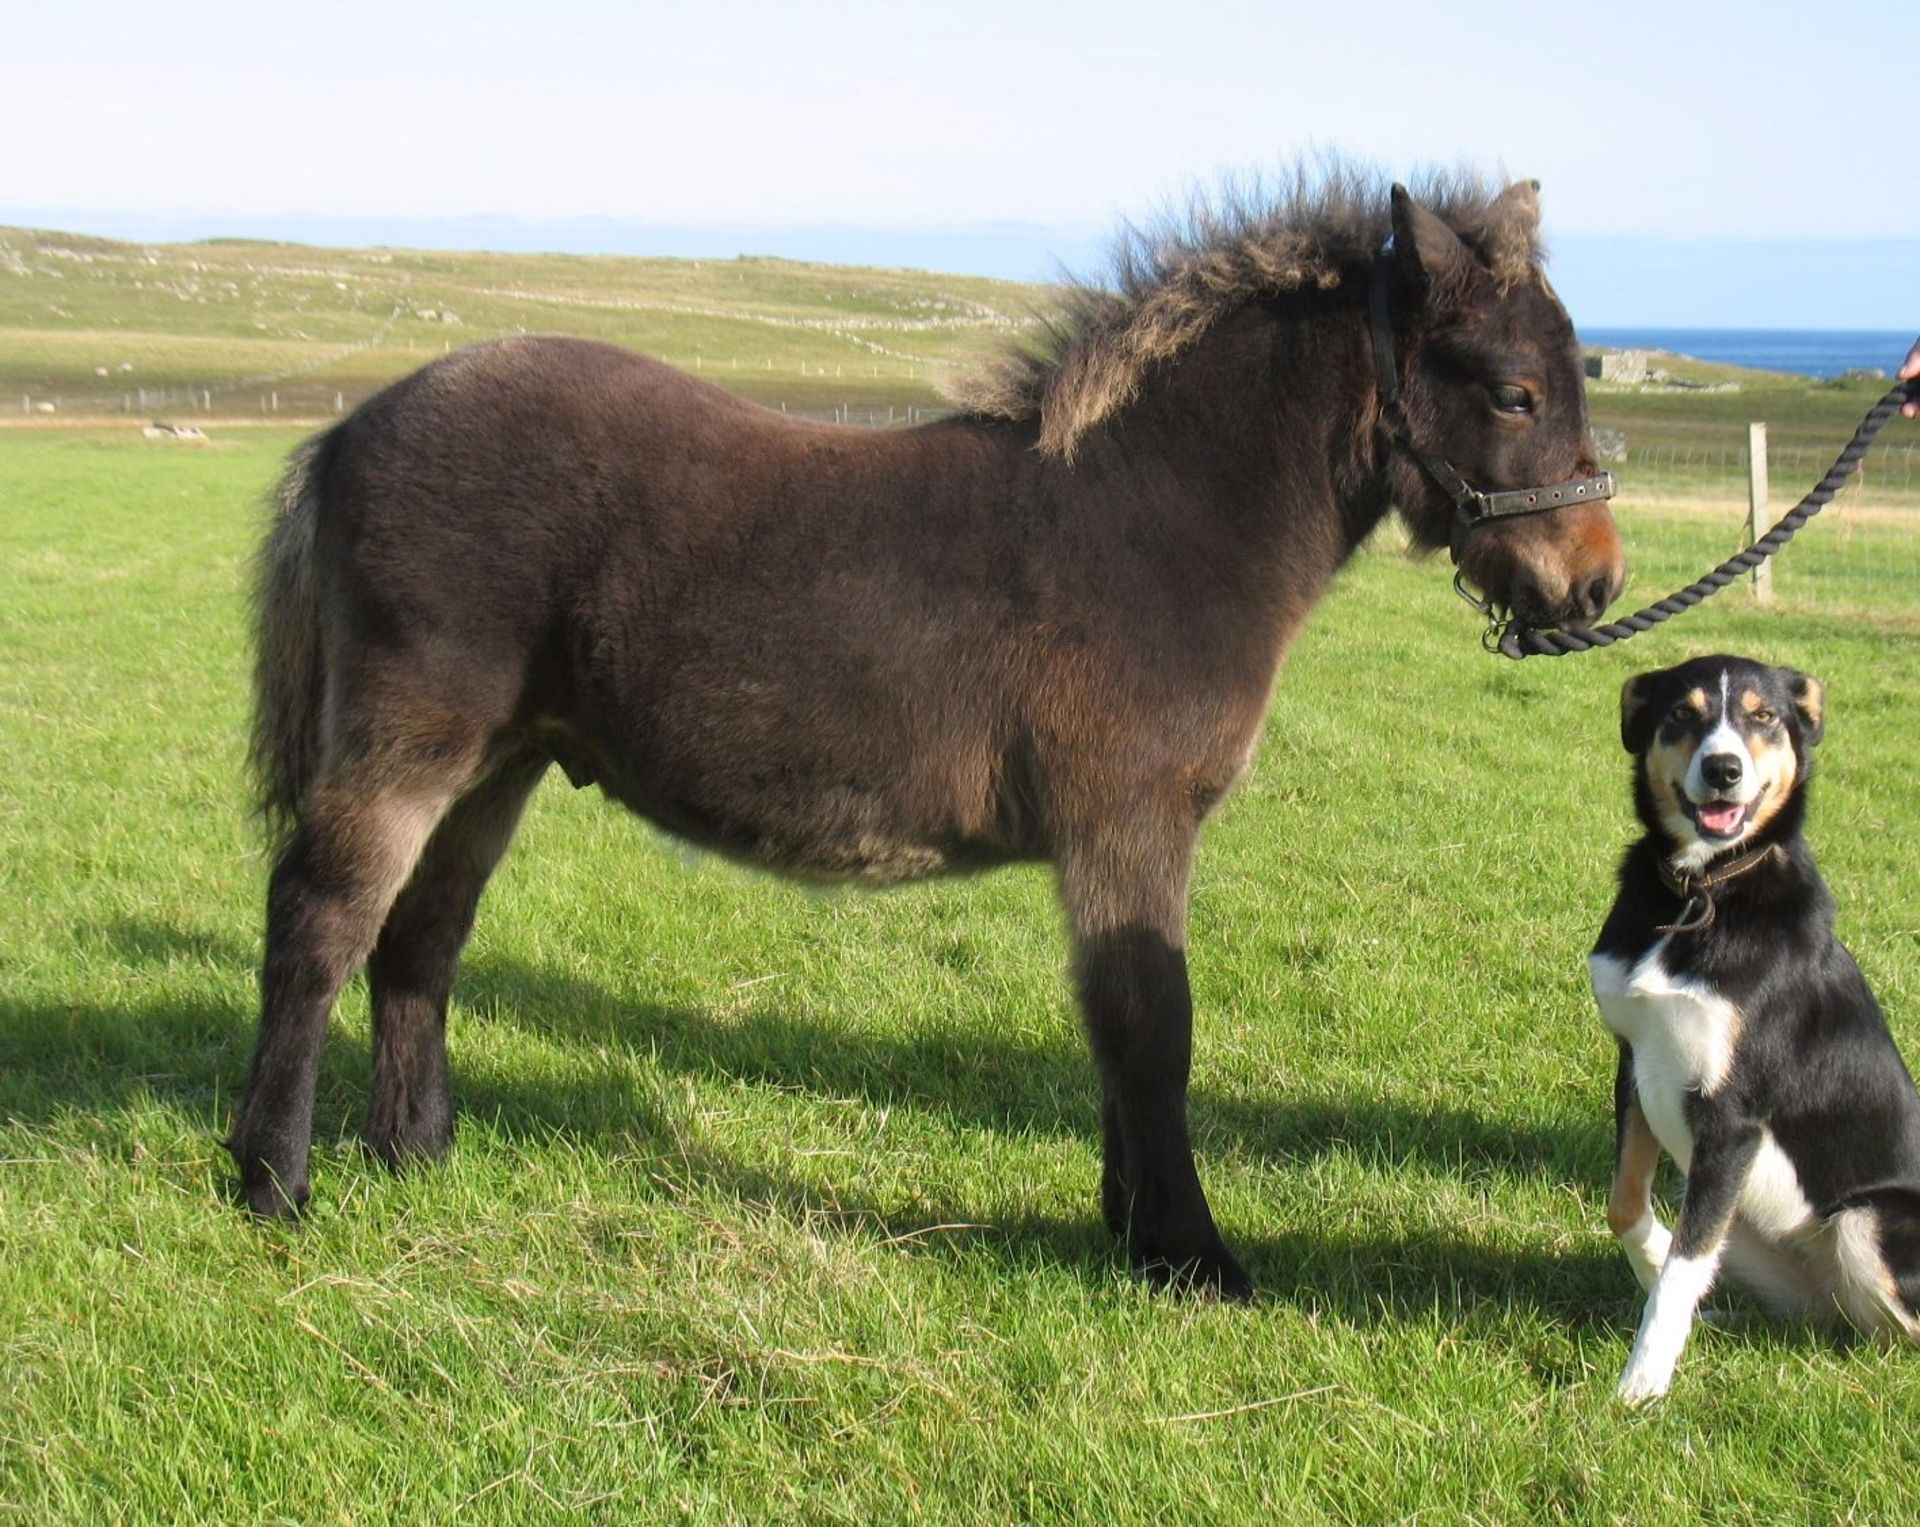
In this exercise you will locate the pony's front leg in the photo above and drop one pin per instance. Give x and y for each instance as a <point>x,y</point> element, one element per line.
<point>1126,906</point>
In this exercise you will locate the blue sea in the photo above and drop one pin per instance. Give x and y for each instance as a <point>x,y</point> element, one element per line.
<point>1809,352</point>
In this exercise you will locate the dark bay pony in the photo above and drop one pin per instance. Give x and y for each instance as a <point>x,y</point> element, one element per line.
<point>1043,630</point>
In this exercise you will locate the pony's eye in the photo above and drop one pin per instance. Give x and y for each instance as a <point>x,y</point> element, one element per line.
<point>1512,400</point>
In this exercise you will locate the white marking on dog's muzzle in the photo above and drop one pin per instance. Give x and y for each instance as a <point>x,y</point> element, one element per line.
<point>1723,739</point>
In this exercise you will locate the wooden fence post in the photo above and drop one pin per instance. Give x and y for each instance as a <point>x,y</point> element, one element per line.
<point>1757,506</point>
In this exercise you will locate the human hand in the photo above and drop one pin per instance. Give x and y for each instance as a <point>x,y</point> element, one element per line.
<point>1911,368</point>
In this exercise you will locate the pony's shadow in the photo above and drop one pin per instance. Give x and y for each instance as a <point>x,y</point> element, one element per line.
<point>58,1058</point>
<point>1023,1084</point>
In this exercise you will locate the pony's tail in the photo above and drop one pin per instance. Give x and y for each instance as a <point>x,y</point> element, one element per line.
<point>289,680</point>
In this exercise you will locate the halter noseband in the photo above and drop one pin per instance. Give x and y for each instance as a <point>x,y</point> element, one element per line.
<point>1471,506</point>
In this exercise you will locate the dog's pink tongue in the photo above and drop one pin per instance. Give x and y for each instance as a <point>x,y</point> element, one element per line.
<point>1720,818</point>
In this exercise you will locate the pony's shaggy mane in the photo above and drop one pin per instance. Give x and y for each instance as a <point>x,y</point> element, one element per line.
<point>1173,279</point>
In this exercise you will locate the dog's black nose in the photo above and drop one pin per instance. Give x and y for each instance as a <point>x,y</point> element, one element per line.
<point>1721,770</point>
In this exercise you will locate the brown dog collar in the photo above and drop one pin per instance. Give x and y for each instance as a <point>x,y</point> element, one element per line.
<point>1696,890</point>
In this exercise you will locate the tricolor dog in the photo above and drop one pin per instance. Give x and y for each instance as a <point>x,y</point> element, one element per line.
<point>1751,1049</point>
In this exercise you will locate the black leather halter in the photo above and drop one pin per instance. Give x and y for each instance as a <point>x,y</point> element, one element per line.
<point>1471,506</point>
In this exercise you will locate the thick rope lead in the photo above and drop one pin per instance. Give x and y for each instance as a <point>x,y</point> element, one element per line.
<point>1517,641</point>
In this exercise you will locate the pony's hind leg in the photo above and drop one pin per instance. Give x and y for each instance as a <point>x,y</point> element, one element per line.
<point>354,846</point>
<point>411,1114</point>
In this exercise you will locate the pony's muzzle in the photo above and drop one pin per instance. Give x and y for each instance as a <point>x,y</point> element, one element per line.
<point>1560,569</point>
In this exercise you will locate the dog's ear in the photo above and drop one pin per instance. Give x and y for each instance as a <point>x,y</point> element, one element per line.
<point>1809,704</point>
<point>1636,712</point>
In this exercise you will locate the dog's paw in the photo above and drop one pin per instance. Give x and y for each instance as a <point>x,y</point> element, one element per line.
<point>1642,1384</point>
<point>1650,1366</point>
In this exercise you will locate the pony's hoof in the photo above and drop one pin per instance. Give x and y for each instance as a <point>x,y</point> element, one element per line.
<point>403,1150</point>
<point>1212,1274</point>
<point>265,1193</point>
<point>268,1198</point>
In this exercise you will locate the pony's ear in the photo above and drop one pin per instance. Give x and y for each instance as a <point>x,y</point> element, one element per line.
<point>1809,704</point>
<point>1429,254</point>
<point>1513,230</point>
<point>1636,712</point>
<point>1518,206</point>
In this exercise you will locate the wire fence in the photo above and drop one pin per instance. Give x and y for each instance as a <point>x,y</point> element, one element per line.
<point>1683,509</point>
<point>1678,474</point>
<point>296,401</point>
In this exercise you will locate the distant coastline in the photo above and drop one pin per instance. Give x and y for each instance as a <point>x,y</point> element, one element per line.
<point>1804,352</point>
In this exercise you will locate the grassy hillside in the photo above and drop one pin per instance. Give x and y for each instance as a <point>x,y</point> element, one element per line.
<point>222,325</point>
<point>90,321</point>
<point>1801,413</point>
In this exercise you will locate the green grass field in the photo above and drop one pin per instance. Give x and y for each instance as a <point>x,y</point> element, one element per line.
<point>777,1204</point>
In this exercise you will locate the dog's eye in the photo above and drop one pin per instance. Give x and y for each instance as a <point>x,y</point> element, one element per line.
<point>1765,717</point>
<point>1512,400</point>
<point>1681,712</point>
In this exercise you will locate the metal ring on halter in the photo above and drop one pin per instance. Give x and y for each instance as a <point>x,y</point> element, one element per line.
<point>1479,601</point>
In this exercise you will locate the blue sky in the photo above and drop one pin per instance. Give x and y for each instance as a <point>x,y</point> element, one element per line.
<point>1703,164</point>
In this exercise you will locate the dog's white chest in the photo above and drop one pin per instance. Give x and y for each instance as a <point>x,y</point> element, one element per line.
<point>1683,1037</point>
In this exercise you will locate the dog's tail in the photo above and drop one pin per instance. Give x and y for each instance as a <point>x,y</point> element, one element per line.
<point>1871,1290</point>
